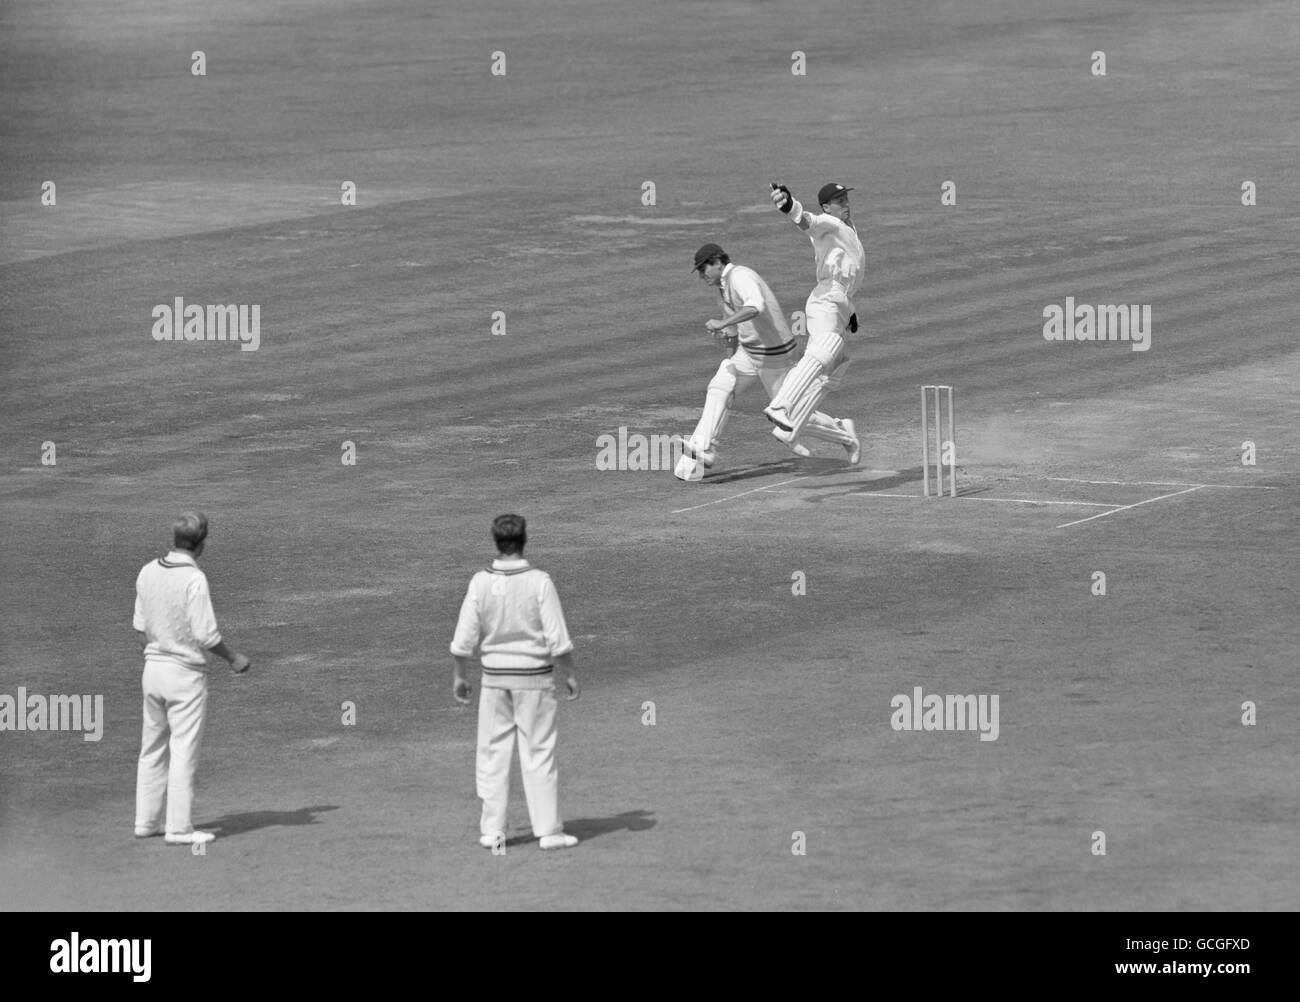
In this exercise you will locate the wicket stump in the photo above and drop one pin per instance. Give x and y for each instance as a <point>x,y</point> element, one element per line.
<point>939,444</point>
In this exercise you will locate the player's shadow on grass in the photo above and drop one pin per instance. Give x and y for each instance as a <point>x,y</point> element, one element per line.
<point>240,824</point>
<point>589,828</point>
<point>812,467</point>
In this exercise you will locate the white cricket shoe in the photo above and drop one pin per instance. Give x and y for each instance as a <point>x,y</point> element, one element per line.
<point>705,456</point>
<point>560,841</point>
<point>778,417</point>
<point>798,448</point>
<point>189,838</point>
<point>688,469</point>
<point>854,449</point>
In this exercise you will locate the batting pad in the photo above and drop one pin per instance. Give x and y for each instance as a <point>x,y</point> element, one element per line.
<point>688,469</point>
<point>836,378</point>
<point>797,383</point>
<point>717,408</point>
<point>802,391</point>
<point>722,422</point>
<point>825,428</point>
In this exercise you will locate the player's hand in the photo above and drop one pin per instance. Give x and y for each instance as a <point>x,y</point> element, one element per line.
<point>575,690</point>
<point>715,327</point>
<point>240,664</point>
<point>782,198</point>
<point>461,690</point>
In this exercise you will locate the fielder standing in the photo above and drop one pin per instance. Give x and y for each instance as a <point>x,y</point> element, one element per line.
<point>173,610</point>
<point>512,614</point>
<point>766,352</point>
<point>829,310</point>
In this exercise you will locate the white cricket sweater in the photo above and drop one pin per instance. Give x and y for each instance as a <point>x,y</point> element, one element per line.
<point>512,614</point>
<point>174,609</point>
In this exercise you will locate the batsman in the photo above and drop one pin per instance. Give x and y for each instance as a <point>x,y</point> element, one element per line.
<point>829,310</point>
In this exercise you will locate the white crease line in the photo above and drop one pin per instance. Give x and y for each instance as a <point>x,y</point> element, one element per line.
<point>1087,504</point>
<point>963,497</point>
<point>1128,506</point>
<point>741,495</point>
<point>1161,483</point>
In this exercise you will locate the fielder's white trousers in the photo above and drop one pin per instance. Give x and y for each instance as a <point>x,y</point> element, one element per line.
<point>529,713</point>
<point>175,708</point>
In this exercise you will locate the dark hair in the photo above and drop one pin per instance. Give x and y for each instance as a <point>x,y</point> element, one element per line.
<point>510,533</point>
<point>724,257</point>
<point>190,530</point>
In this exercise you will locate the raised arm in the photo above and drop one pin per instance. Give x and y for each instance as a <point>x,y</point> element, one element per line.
<point>787,203</point>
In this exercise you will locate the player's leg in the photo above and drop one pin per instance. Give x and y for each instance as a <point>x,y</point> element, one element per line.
<point>721,424</point>
<point>535,718</point>
<point>718,401</point>
<point>151,770</point>
<point>744,371</point>
<point>496,747</point>
<point>699,449</point>
<point>186,713</point>
<point>840,431</point>
<point>773,376</point>
<point>805,386</point>
<point>825,428</point>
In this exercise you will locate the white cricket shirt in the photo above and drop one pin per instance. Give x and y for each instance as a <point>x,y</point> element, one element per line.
<point>840,257</point>
<point>766,336</point>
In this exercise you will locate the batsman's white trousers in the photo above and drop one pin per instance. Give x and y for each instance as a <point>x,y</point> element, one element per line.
<point>175,709</point>
<point>530,713</point>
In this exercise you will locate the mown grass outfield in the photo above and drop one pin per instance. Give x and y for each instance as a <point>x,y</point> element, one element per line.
<point>522,194</point>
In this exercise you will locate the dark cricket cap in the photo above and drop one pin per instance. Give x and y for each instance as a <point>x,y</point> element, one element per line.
<point>829,191</point>
<point>705,254</point>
